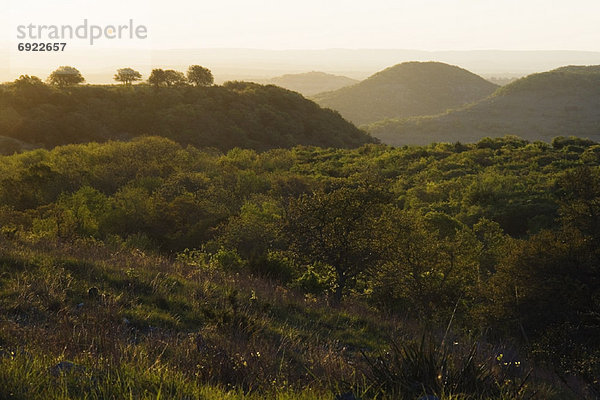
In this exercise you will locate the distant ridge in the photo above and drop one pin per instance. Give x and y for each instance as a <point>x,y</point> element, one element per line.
<point>249,64</point>
<point>408,89</point>
<point>561,102</point>
<point>310,83</point>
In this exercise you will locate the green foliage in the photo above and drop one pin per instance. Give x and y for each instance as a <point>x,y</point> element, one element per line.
<point>316,279</point>
<point>337,228</point>
<point>83,213</point>
<point>227,260</point>
<point>274,265</point>
<point>255,230</point>
<point>562,142</point>
<point>329,247</point>
<point>234,115</point>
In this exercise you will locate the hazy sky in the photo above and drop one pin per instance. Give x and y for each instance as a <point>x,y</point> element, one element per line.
<point>300,24</point>
<point>317,24</point>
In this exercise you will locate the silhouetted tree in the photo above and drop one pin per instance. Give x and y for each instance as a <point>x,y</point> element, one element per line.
<point>31,91</point>
<point>200,76</point>
<point>65,76</point>
<point>157,77</point>
<point>26,80</point>
<point>127,76</point>
<point>169,77</point>
<point>174,78</point>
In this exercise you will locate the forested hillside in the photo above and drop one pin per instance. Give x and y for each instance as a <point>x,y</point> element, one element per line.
<point>537,107</point>
<point>301,268</point>
<point>235,114</point>
<point>407,89</point>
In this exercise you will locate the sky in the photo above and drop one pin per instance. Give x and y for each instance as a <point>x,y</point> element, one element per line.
<point>319,24</point>
<point>431,25</point>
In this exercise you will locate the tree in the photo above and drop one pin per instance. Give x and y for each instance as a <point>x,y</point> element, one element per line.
<point>579,200</point>
<point>430,262</point>
<point>174,78</point>
<point>127,76</point>
<point>157,77</point>
<point>200,76</point>
<point>31,92</point>
<point>547,290</point>
<point>65,76</point>
<point>169,77</point>
<point>337,228</point>
<point>253,232</point>
<point>28,81</point>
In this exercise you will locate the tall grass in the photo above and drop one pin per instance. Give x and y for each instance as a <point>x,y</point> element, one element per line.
<point>426,369</point>
<point>141,326</point>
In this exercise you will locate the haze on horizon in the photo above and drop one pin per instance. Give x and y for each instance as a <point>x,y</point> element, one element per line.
<point>432,25</point>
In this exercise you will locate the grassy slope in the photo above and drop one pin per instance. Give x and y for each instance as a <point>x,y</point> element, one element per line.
<point>408,89</point>
<point>165,326</point>
<point>538,107</point>
<point>169,330</point>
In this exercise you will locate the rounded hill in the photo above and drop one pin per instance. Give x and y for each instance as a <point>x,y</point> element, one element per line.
<point>407,89</point>
<point>561,102</point>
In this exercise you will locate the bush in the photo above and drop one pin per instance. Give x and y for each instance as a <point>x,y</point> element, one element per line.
<point>227,260</point>
<point>274,265</point>
<point>315,282</point>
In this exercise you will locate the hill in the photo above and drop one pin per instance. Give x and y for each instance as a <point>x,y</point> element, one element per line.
<point>565,101</point>
<point>146,269</point>
<point>10,145</point>
<point>408,89</point>
<point>236,114</point>
<point>311,83</point>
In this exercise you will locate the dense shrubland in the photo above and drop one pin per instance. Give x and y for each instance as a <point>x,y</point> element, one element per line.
<point>294,268</point>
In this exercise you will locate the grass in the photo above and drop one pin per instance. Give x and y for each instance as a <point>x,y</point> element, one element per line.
<point>223,331</point>
<point>26,376</point>
<point>141,326</point>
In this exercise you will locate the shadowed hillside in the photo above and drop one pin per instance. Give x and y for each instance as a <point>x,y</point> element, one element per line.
<point>408,89</point>
<point>236,114</point>
<point>565,101</point>
<point>311,83</point>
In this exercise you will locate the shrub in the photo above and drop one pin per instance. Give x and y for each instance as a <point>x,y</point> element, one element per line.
<point>274,265</point>
<point>227,260</point>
